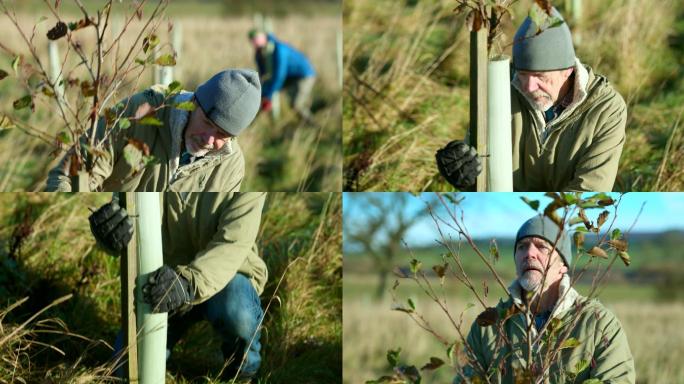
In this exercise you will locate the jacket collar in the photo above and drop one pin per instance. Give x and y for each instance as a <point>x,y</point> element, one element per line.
<point>567,295</point>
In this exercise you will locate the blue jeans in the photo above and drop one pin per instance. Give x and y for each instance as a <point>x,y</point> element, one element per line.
<point>235,313</point>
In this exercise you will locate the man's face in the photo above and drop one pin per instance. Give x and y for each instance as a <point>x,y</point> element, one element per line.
<point>542,89</point>
<point>259,40</point>
<point>202,135</point>
<point>532,256</point>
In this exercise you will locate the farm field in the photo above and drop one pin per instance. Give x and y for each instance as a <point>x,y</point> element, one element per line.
<point>48,252</point>
<point>407,87</point>
<point>282,155</point>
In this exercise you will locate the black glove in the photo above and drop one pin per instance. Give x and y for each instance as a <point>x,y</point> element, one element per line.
<point>112,227</point>
<point>167,291</point>
<point>459,164</point>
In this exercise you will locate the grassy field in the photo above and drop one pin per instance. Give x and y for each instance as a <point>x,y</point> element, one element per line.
<point>48,252</point>
<point>407,87</point>
<point>371,328</point>
<point>283,155</point>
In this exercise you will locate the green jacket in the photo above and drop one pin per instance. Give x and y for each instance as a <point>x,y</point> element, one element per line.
<point>119,169</point>
<point>577,151</point>
<point>209,237</point>
<point>602,342</point>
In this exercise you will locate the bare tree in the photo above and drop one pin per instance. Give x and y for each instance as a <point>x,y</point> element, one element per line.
<point>382,234</point>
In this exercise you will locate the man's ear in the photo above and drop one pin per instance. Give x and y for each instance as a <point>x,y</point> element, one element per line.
<point>569,72</point>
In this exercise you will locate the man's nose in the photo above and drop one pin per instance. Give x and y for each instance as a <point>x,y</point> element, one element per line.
<point>531,84</point>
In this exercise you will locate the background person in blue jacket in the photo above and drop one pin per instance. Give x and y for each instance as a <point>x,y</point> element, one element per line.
<point>281,66</point>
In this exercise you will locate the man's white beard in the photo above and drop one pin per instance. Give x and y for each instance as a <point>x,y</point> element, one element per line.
<point>537,105</point>
<point>190,147</point>
<point>528,282</point>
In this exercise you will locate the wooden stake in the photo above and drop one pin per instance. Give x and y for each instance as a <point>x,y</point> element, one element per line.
<point>478,101</point>
<point>129,270</point>
<point>79,183</point>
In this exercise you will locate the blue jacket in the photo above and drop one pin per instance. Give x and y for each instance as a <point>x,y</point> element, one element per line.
<point>279,65</point>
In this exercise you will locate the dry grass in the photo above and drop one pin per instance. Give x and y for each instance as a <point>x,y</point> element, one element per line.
<point>209,45</point>
<point>371,328</point>
<point>406,87</point>
<point>299,240</point>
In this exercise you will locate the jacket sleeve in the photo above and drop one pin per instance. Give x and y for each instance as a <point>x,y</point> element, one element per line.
<point>612,362</point>
<point>58,177</point>
<point>474,341</point>
<point>279,75</point>
<point>597,169</point>
<point>229,248</point>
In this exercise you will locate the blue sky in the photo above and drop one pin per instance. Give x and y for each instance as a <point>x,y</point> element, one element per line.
<point>500,214</point>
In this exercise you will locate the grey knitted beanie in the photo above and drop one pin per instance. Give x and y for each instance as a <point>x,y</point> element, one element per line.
<point>551,50</point>
<point>231,99</point>
<point>542,226</point>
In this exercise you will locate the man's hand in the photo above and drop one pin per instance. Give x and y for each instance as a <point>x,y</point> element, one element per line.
<point>112,227</point>
<point>266,105</point>
<point>459,164</point>
<point>167,291</point>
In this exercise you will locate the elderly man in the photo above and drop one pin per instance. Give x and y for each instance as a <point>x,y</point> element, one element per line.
<point>189,151</point>
<point>542,294</point>
<point>211,269</point>
<point>568,122</point>
<point>282,66</point>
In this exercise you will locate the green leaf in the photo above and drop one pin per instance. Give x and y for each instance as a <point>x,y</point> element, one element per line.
<point>64,137</point>
<point>140,61</point>
<point>592,381</point>
<point>150,120</point>
<point>186,106</point>
<point>24,102</point>
<point>616,234</point>
<point>173,88</point>
<point>15,64</point>
<point>166,60</point>
<point>411,304</point>
<point>575,220</point>
<point>415,266</point>
<point>393,356</point>
<point>494,250</point>
<point>150,42</point>
<point>569,198</point>
<point>3,74</point>
<point>450,351</point>
<point>555,22</point>
<point>534,204</point>
<point>132,156</point>
<point>6,122</point>
<point>124,123</point>
<point>537,15</point>
<point>581,366</point>
<point>570,343</point>
<point>581,229</point>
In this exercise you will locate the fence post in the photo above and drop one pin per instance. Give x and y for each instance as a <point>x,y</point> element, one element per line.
<point>129,270</point>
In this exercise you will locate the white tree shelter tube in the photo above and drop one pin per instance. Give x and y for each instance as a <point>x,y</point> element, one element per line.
<point>499,126</point>
<point>151,327</point>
